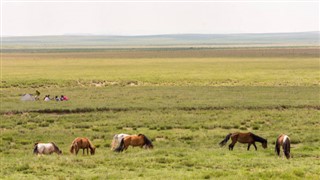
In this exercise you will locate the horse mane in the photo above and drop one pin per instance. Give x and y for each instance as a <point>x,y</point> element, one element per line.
<point>146,140</point>
<point>258,138</point>
<point>91,146</point>
<point>55,146</point>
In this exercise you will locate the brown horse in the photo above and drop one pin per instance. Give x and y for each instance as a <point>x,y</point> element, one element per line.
<point>249,138</point>
<point>284,141</point>
<point>134,140</point>
<point>82,143</point>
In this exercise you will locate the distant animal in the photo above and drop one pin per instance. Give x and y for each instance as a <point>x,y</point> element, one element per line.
<point>249,138</point>
<point>46,148</point>
<point>284,142</point>
<point>82,143</point>
<point>134,140</point>
<point>117,139</point>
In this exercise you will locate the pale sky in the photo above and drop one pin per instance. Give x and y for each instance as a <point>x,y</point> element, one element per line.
<point>34,18</point>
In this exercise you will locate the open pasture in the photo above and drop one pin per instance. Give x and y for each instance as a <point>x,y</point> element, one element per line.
<point>186,106</point>
<point>226,67</point>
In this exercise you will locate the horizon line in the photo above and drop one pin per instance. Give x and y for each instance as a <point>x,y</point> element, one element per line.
<point>143,35</point>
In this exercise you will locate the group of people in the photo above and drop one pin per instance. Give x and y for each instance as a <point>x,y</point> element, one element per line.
<point>57,98</point>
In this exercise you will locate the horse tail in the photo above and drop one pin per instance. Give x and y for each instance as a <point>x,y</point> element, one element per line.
<point>223,142</point>
<point>286,148</point>
<point>113,143</point>
<point>35,150</point>
<point>120,147</point>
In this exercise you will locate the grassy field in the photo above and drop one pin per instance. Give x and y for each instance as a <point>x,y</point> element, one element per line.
<point>185,105</point>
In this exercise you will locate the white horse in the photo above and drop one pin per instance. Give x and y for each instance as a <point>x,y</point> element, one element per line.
<point>46,148</point>
<point>117,139</point>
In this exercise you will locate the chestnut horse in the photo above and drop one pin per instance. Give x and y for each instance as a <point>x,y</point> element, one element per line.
<point>284,141</point>
<point>134,140</point>
<point>82,143</point>
<point>249,138</point>
<point>117,139</point>
<point>46,148</point>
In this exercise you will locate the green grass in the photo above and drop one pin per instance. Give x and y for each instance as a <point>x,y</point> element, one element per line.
<point>186,106</point>
<point>38,71</point>
<point>163,97</point>
<point>186,144</point>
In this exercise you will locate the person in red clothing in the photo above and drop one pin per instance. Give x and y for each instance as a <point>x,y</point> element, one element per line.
<point>64,98</point>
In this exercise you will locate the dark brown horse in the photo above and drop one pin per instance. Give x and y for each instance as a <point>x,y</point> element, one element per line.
<point>284,142</point>
<point>82,143</point>
<point>249,138</point>
<point>134,140</point>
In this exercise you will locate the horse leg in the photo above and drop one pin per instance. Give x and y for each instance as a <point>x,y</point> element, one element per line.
<point>254,144</point>
<point>77,150</point>
<point>234,141</point>
<point>87,151</point>
<point>125,146</point>
<point>249,144</point>
<point>231,146</point>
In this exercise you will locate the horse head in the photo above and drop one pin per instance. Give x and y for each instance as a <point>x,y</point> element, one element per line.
<point>92,150</point>
<point>56,149</point>
<point>265,144</point>
<point>149,146</point>
<point>59,152</point>
<point>148,143</point>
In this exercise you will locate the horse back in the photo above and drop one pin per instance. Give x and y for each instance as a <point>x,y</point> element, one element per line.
<point>45,148</point>
<point>134,140</point>
<point>243,137</point>
<point>83,142</point>
<point>280,139</point>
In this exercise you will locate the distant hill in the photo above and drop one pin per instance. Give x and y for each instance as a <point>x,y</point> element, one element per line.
<point>153,41</point>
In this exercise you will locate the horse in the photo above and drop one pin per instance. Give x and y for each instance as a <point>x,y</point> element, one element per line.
<point>284,141</point>
<point>134,140</point>
<point>249,138</point>
<point>46,148</point>
<point>117,139</point>
<point>82,143</point>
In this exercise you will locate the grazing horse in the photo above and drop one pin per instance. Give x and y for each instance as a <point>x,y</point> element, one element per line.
<point>249,138</point>
<point>82,143</point>
<point>134,140</point>
<point>284,141</point>
<point>46,148</point>
<point>117,139</point>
